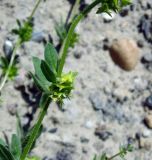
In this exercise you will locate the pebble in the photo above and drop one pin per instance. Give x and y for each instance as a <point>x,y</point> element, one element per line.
<point>88,124</point>
<point>38,37</point>
<point>77,54</point>
<point>84,140</point>
<point>140,43</point>
<point>106,44</point>
<point>124,12</point>
<point>53,130</point>
<point>107,17</point>
<point>145,26</point>
<point>8,48</point>
<point>63,155</point>
<point>103,135</point>
<point>146,133</point>
<point>148,121</point>
<point>148,102</point>
<point>147,58</point>
<point>96,100</point>
<point>125,53</point>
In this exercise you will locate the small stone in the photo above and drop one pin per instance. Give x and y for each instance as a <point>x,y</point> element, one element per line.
<point>148,102</point>
<point>125,53</point>
<point>88,124</point>
<point>96,101</point>
<point>53,130</point>
<point>8,48</point>
<point>106,44</point>
<point>146,133</point>
<point>140,43</point>
<point>84,140</point>
<point>147,58</point>
<point>145,26</point>
<point>63,155</point>
<point>77,54</point>
<point>124,12</point>
<point>148,121</point>
<point>38,37</point>
<point>104,135</point>
<point>107,17</point>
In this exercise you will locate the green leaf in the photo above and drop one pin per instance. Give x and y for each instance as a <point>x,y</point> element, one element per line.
<point>43,100</point>
<point>26,138</point>
<point>38,71</point>
<point>125,3</point>
<point>40,84</point>
<point>51,56</point>
<point>47,72</point>
<point>20,131</point>
<point>5,154</point>
<point>16,146</point>
<point>2,142</point>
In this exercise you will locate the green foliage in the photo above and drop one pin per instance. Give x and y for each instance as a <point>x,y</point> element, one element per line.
<point>122,153</point>
<point>112,5</point>
<point>62,31</point>
<point>32,158</point>
<point>24,30</point>
<point>15,146</point>
<point>102,157</point>
<point>4,64</point>
<point>47,80</point>
<point>5,154</point>
<point>13,150</point>
<point>51,57</point>
<point>124,150</point>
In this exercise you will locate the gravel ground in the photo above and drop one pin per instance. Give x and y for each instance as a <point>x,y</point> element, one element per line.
<point>109,107</point>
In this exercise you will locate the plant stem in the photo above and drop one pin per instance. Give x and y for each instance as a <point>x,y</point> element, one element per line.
<point>65,46</point>
<point>10,64</point>
<point>34,9</point>
<point>36,128</point>
<point>114,156</point>
<point>74,11</point>
<point>17,45</point>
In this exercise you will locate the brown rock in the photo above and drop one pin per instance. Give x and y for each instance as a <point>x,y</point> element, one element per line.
<point>148,121</point>
<point>124,53</point>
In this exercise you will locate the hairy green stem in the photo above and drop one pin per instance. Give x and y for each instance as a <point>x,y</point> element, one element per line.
<point>34,9</point>
<point>65,46</point>
<point>114,156</point>
<point>35,131</point>
<point>10,64</point>
<point>17,45</point>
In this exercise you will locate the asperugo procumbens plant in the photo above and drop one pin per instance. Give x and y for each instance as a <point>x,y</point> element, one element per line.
<point>56,85</point>
<point>62,28</point>
<point>24,32</point>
